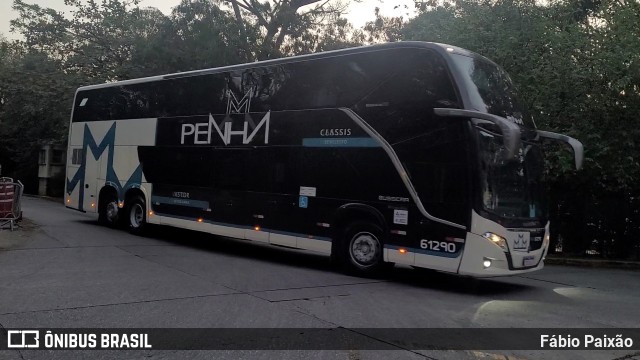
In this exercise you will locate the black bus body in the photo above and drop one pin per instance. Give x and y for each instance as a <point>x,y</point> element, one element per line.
<point>413,153</point>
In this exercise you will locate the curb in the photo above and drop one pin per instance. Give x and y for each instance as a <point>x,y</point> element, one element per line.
<point>595,263</point>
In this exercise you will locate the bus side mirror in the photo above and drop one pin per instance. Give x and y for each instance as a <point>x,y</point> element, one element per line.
<point>510,131</point>
<point>578,149</point>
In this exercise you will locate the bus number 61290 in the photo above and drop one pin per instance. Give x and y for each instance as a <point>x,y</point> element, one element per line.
<point>442,246</point>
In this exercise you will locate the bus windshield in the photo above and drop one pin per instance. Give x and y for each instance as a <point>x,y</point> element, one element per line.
<point>511,188</point>
<point>490,89</point>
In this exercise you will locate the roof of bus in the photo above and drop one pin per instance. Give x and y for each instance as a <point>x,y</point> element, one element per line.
<point>361,49</point>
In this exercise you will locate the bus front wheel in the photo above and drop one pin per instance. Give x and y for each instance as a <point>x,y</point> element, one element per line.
<point>361,248</point>
<point>136,215</point>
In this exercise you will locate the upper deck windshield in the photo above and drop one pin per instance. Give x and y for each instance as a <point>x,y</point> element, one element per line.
<point>491,90</point>
<point>509,188</point>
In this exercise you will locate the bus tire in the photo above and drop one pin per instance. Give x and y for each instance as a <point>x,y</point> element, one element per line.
<point>362,248</point>
<point>136,215</point>
<point>108,211</point>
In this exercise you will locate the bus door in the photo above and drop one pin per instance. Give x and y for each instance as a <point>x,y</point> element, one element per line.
<point>91,174</point>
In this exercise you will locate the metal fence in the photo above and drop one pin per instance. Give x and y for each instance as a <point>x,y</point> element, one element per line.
<point>10,202</point>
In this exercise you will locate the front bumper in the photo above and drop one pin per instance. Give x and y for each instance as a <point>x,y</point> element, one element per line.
<point>478,250</point>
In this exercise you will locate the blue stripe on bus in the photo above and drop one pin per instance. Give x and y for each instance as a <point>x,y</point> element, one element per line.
<point>107,144</point>
<point>427,252</point>
<point>340,142</point>
<point>180,201</point>
<point>245,227</point>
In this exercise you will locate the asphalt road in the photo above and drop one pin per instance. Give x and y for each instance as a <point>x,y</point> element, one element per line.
<point>63,270</point>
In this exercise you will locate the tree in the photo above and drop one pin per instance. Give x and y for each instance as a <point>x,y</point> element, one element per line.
<point>284,20</point>
<point>577,65</point>
<point>197,34</point>
<point>383,28</point>
<point>111,40</point>
<point>36,104</point>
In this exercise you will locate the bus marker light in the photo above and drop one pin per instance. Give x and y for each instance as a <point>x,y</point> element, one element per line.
<point>256,228</point>
<point>93,204</point>
<point>398,232</point>
<point>199,220</point>
<point>150,213</point>
<point>121,204</point>
<point>402,251</point>
<point>68,200</point>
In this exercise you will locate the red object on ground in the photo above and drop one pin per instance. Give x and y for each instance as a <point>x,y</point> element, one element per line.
<point>7,197</point>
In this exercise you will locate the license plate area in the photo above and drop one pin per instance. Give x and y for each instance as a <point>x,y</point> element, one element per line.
<point>528,261</point>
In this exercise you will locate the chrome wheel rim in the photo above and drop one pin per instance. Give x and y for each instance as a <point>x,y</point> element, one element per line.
<point>136,216</point>
<point>364,249</point>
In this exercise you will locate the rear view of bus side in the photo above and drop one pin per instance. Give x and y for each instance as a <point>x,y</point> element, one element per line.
<point>411,153</point>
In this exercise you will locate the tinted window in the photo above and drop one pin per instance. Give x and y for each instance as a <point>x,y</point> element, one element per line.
<point>437,165</point>
<point>198,95</point>
<point>396,76</point>
<point>490,89</point>
<point>188,166</point>
<point>400,104</point>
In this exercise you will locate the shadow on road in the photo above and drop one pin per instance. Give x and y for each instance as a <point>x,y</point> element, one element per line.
<point>422,278</point>
<point>455,283</point>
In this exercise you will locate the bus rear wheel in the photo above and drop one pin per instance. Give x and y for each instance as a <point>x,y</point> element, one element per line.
<point>136,215</point>
<point>361,248</point>
<point>108,213</point>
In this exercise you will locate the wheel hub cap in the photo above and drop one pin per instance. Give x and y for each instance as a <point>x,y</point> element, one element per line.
<point>137,215</point>
<point>364,248</point>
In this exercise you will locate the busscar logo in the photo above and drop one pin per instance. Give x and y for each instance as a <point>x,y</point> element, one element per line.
<point>521,243</point>
<point>202,133</point>
<point>21,339</point>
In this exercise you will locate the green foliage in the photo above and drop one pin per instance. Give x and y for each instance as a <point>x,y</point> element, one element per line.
<point>383,28</point>
<point>197,35</point>
<point>577,64</point>
<point>290,27</point>
<point>35,98</point>
<point>110,40</point>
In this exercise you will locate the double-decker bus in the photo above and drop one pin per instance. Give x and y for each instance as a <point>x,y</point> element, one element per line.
<point>411,153</point>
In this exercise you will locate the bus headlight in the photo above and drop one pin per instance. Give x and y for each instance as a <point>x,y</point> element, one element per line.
<point>498,240</point>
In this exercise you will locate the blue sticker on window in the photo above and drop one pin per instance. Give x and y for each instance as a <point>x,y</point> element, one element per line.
<point>303,202</point>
